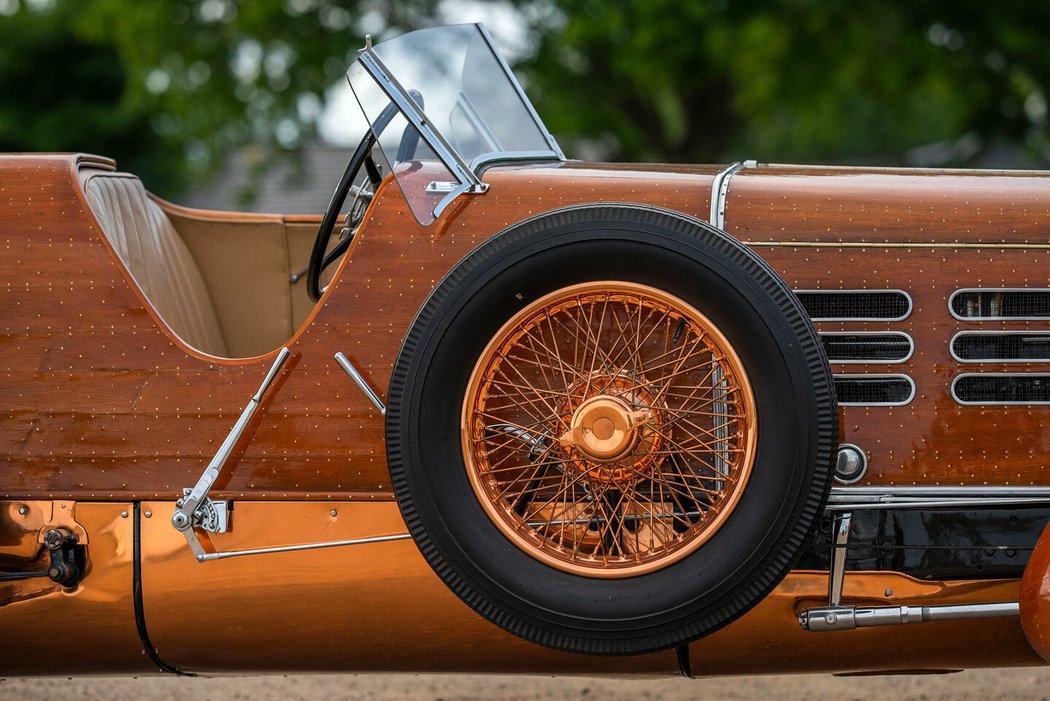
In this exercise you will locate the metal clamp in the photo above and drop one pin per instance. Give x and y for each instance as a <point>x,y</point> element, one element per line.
<point>195,509</point>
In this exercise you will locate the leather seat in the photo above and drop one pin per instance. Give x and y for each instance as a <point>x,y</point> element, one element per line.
<point>156,257</point>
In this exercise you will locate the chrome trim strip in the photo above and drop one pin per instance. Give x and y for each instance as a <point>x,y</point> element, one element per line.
<point>486,159</point>
<point>910,491</point>
<point>906,314</point>
<point>887,376</point>
<point>719,190</point>
<point>907,357</point>
<point>899,244</point>
<point>960,376</point>
<point>924,497</point>
<point>521,93</point>
<point>1036,332</point>
<point>951,298</point>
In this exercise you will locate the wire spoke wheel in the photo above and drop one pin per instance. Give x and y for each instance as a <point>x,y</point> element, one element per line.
<point>609,429</point>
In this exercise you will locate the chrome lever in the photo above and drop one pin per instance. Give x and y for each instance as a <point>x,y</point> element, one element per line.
<point>195,509</point>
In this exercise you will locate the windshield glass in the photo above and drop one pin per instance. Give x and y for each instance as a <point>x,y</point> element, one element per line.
<point>473,108</point>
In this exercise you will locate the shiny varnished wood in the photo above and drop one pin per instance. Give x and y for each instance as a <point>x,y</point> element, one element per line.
<point>110,405</point>
<point>929,233</point>
<point>104,403</point>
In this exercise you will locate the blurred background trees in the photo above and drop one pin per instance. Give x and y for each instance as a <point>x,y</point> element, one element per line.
<point>172,88</point>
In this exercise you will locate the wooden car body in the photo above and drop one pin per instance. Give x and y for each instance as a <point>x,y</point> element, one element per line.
<point>108,415</point>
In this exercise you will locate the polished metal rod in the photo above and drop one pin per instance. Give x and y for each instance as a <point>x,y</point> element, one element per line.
<point>360,382</point>
<point>309,546</point>
<point>183,516</point>
<point>832,618</point>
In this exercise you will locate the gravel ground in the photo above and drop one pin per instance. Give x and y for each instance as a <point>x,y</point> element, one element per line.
<point>983,685</point>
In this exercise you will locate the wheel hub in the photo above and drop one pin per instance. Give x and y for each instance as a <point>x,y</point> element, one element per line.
<point>613,435</point>
<point>604,428</point>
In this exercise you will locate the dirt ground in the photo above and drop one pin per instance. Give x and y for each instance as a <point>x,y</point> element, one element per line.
<point>984,685</point>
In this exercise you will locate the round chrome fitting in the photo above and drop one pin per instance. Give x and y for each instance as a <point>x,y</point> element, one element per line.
<point>851,464</point>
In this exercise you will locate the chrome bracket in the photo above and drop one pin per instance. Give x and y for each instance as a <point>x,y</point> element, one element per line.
<point>836,616</point>
<point>211,516</point>
<point>840,527</point>
<point>441,186</point>
<point>195,509</point>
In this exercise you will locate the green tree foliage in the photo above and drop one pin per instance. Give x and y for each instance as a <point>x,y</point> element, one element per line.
<point>809,80</point>
<point>169,87</point>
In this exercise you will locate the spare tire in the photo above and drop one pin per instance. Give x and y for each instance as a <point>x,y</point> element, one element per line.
<point>610,428</point>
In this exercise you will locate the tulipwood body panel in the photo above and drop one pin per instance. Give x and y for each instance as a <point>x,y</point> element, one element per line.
<point>105,403</point>
<point>928,233</point>
<point>102,402</point>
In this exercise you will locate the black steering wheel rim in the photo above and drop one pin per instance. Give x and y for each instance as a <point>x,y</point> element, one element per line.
<point>319,260</point>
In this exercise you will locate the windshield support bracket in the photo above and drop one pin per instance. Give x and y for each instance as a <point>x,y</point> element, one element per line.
<point>468,181</point>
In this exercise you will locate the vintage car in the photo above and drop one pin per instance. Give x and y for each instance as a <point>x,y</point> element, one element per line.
<point>524,414</point>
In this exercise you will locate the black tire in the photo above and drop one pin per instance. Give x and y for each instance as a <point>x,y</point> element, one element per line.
<point>750,552</point>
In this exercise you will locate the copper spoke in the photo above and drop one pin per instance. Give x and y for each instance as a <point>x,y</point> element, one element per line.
<point>617,419</point>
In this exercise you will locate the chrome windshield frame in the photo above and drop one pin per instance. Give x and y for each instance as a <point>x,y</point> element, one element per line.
<point>555,148</point>
<point>466,174</point>
<point>468,181</point>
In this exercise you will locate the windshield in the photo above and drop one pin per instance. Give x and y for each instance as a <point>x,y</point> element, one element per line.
<point>443,103</point>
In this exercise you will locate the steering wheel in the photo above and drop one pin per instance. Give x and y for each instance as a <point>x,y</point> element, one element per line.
<point>362,157</point>
<point>318,259</point>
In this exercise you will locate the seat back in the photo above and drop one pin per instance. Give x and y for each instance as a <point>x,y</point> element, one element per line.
<point>155,255</point>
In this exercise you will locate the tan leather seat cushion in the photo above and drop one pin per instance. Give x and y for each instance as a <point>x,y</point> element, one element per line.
<point>156,257</point>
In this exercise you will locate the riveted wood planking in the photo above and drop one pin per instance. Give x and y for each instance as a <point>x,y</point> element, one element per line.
<point>104,403</point>
<point>929,233</point>
<point>107,404</point>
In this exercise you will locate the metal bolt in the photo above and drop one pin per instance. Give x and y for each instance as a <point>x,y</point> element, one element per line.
<point>831,619</point>
<point>123,514</point>
<point>23,510</point>
<point>888,592</point>
<point>333,512</point>
<point>148,514</point>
